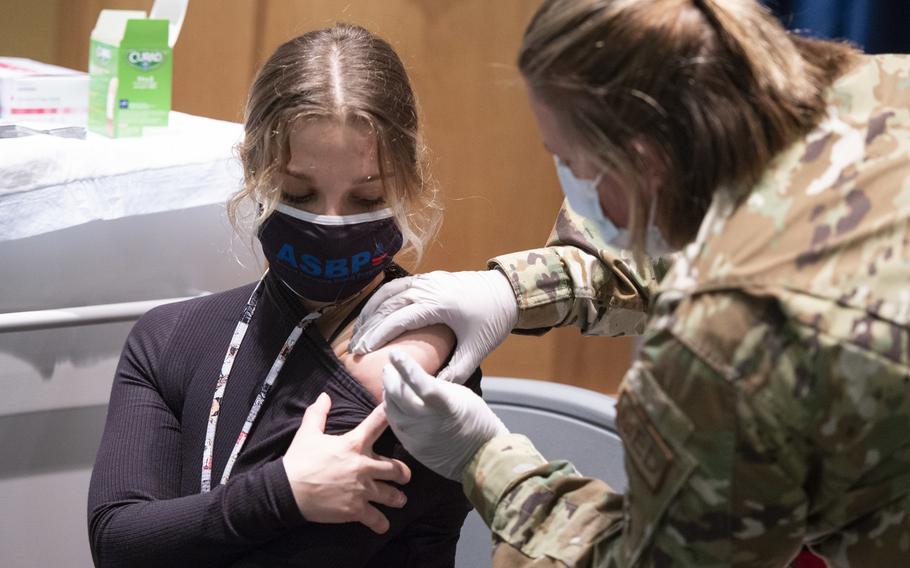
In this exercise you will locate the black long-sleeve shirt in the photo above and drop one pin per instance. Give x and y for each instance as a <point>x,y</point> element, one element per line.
<point>145,507</point>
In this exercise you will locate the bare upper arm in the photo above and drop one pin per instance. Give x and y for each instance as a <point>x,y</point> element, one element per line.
<point>429,346</point>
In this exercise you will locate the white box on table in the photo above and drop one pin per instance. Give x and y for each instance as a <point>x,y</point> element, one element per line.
<point>31,91</point>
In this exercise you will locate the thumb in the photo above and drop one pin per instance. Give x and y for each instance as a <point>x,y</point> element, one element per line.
<point>389,327</point>
<point>315,416</point>
<point>367,432</point>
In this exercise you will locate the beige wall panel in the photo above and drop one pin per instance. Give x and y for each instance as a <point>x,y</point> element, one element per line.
<point>74,27</point>
<point>28,28</point>
<point>498,183</point>
<point>214,59</point>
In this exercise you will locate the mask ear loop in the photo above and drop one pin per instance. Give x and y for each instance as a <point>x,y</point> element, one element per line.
<point>650,234</point>
<point>655,240</point>
<point>652,214</point>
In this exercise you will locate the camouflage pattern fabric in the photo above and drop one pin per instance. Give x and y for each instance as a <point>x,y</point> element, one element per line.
<point>579,280</point>
<point>770,405</point>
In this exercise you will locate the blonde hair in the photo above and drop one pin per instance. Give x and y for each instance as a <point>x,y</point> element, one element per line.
<point>705,92</point>
<point>348,74</point>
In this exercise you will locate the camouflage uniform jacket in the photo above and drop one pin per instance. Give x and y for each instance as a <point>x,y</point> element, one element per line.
<point>770,405</point>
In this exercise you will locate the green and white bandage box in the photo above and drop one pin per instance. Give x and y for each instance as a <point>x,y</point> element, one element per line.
<point>131,69</point>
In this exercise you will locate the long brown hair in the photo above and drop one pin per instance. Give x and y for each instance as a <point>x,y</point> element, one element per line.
<point>705,92</point>
<point>348,74</point>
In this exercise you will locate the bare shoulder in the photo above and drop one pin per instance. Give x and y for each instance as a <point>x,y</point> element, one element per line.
<point>430,347</point>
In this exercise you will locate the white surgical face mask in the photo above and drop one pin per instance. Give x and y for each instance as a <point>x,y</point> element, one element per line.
<point>584,199</point>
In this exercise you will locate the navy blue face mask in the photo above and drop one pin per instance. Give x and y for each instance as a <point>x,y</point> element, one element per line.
<point>325,258</point>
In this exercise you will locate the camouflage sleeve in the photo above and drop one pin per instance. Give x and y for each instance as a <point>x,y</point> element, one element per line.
<point>714,477</point>
<point>578,280</point>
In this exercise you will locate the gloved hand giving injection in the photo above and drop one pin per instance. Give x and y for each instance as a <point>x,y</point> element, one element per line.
<point>479,307</point>
<point>441,424</point>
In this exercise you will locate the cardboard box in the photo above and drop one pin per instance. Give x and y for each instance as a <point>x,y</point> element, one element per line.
<point>36,92</point>
<point>131,68</point>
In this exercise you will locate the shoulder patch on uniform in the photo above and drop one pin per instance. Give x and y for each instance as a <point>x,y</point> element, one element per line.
<point>646,449</point>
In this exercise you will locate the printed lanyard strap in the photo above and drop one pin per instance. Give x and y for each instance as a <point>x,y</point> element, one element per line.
<point>236,340</point>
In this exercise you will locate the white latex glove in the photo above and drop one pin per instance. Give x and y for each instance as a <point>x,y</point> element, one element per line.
<point>441,424</point>
<point>479,307</point>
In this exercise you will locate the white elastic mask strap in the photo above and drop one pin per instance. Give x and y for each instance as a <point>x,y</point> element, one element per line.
<point>655,245</point>
<point>334,219</point>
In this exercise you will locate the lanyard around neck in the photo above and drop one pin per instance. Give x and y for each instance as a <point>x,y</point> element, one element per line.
<point>236,340</point>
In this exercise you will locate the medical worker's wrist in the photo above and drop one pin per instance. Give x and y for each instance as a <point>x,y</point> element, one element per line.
<point>535,303</point>
<point>505,292</point>
<point>495,468</point>
<point>496,266</point>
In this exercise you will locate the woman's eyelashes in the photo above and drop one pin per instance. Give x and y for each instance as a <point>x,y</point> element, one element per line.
<point>370,202</point>
<point>296,198</point>
<point>357,202</point>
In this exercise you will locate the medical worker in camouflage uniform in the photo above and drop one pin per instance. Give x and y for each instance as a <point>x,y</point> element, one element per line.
<point>770,404</point>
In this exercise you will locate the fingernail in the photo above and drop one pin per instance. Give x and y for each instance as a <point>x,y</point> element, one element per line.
<point>402,500</point>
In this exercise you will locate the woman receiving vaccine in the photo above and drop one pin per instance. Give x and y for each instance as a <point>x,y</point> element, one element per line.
<point>240,431</point>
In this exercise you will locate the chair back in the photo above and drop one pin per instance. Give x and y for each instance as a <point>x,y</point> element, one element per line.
<point>564,422</point>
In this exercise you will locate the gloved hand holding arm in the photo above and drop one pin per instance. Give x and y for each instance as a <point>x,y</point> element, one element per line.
<point>441,424</point>
<point>479,307</point>
<point>575,280</point>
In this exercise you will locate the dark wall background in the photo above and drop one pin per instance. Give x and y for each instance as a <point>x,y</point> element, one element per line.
<point>878,26</point>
